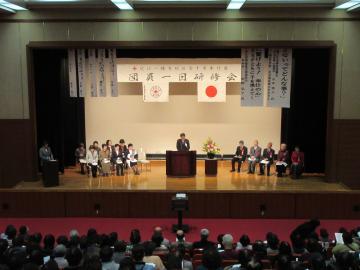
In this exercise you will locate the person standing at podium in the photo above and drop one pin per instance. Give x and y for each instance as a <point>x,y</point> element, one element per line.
<point>183,144</point>
<point>45,153</point>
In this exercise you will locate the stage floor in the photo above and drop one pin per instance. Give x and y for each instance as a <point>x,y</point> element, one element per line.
<point>155,179</point>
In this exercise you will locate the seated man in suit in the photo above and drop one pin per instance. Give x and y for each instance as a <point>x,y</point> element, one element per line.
<point>254,156</point>
<point>123,150</point>
<point>117,160</point>
<point>268,156</point>
<point>297,163</point>
<point>239,157</point>
<point>183,144</point>
<point>282,160</point>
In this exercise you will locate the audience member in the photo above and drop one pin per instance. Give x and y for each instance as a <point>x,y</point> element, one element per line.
<point>204,242</point>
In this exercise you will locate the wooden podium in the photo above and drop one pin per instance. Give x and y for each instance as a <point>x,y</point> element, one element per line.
<point>181,163</point>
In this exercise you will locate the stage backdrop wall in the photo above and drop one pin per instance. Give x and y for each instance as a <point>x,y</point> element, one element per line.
<point>156,126</point>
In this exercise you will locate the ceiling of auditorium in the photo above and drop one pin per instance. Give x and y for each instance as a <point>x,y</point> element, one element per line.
<point>19,5</point>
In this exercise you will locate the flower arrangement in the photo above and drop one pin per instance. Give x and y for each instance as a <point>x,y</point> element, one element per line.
<point>210,147</point>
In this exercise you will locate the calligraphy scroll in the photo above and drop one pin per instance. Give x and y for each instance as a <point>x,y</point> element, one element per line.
<point>101,72</point>
<point>72,73</point>
<point>279,80</point>
<point>81,71</point>
<point>252,77</point>
<point>113,73</point>
<point>92,73</point>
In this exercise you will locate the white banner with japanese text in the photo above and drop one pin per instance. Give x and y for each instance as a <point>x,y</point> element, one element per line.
<point>113,73</point>
<point>252,76</point>
<point>92,73</point>
<point>81,71</point>
<point>279,79</point>
<point>101,71</point>
<point>72,73</point>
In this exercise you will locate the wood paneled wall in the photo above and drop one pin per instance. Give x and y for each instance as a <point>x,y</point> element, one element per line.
<point>128,204</point>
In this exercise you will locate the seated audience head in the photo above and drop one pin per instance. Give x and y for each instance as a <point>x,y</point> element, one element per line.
<point>244,240</point>
<point>241,143</point>
<point>157,238</point>
<point>10,232</point>
<point>127,264</point>
<point>104,147</point>
<point>149,248</point>
<point>108,142</point>
<point>91,148</point>
<point>283,146</point>
<point>81,145</point>
<point>138,253</point>
<point>297,149</point>
<point>347,237</point>
<point>135,237</point>
<point>120,246</point>
<point>45,143</point>
<point>182,136</point>
<point>211,259</point>
<point>130,146</point>
<point>36,238</point>
<point>96,144</point>
<point>180,235</point>
<point>204,234</point>
<point>220,240</point>
<point>62,240</point>
<point>269,145</point>
<point>106,254</point>
<point>227,241</point>
<point>244,257</point>
<point>285,248</point>
<point>49,241</point>
<point>74,256</point>
<point>117,147</point>
<point>23,230</point>
<point>272,241</point>
<point>59,251</point>
<point>113,237</point>
<point>324,235</point>
<point>73,232</point>
<point>256,143</point>
<point>36,257</point>
<point>122,142</point>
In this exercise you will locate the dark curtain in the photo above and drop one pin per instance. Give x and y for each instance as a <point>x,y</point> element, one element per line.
<point>304,124</point>
<point>60,119</point>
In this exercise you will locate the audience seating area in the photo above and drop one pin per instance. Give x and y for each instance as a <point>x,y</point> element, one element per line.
<point>20,248</point>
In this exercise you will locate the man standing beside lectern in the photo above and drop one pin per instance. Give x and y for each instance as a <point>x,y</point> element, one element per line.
<point>183,144</point>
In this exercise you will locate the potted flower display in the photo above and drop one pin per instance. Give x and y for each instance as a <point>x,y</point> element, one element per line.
<point>210,148</point>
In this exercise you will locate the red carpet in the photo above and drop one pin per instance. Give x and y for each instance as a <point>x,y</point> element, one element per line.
<point>255,228</point>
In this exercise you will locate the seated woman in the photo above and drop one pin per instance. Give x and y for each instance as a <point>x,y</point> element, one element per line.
<point>131,159</point>
<point>105,160</point>
<point>297,163</point>
<point>117,160</point>
<point>92,159</point>
<point>80,156</point>
<point>282,160</point>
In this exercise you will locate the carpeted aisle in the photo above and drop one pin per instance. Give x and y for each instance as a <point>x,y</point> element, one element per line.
<point>255,228</point>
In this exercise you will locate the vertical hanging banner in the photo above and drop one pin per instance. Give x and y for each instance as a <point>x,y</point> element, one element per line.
<point>279,80</point>
<point>101,72</point>
<point>81,71</point>
<point>156,91</point>
<point>113,73</point>
<point>252,77</point>
<point>72,73</point>
<point>92,73</point>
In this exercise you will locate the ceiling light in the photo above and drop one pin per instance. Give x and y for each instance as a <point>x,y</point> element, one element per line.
<point>122,4</point>
<point>354,7</point>
<point>235,4</point>
<point>7,9</point>
<point>348,4</point>
<point>8,6</point>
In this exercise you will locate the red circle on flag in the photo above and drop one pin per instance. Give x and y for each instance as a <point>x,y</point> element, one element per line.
<point>211,91</point>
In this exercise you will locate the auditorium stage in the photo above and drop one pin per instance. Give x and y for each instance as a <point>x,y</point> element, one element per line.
<point>153,177</point>
<point>227,195</point>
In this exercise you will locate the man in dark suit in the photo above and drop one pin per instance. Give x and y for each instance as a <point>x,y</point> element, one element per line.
<point>268,155</point>
<point>183,144</point>
<point>240,156</point>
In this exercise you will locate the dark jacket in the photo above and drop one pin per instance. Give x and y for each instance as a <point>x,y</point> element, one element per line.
<point>183,146</point>
<point>268,154</point>
<point>242,153</point>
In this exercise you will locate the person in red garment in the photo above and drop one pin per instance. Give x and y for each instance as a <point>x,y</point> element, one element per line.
<point>297,163</point>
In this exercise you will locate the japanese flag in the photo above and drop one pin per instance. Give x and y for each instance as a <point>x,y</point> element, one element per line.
<point>211,91</point>
<point>156,91</point>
